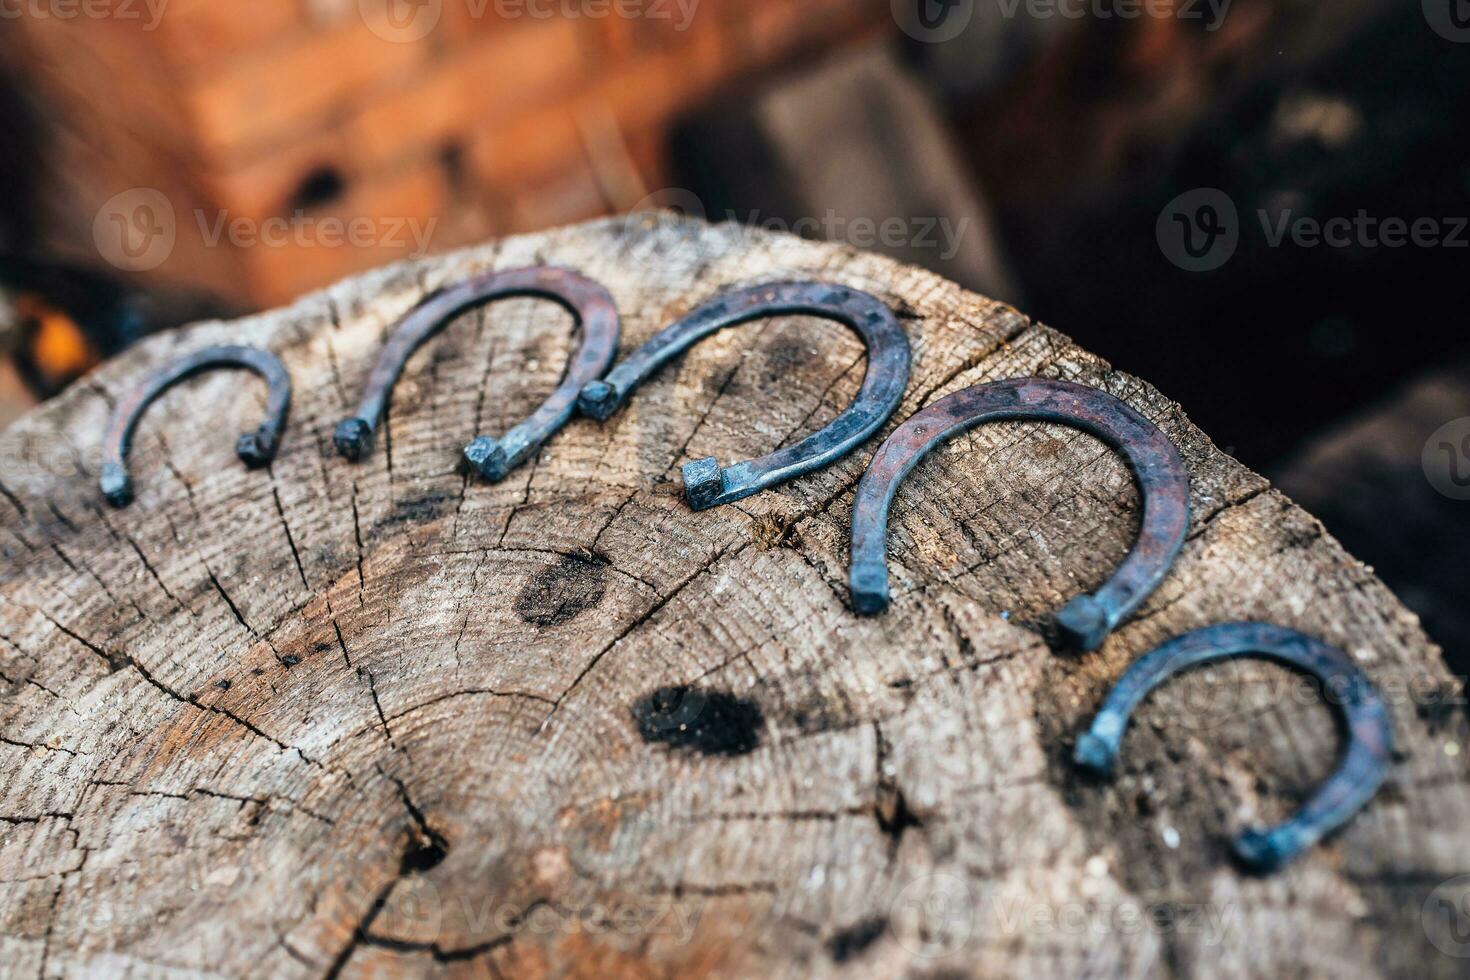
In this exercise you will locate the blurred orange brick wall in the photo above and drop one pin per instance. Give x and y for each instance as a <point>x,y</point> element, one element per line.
<point>241,128</point>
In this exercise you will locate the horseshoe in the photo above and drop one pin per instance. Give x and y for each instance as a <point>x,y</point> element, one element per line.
<point>1087,620</point>
<point>493,459</point>
<point>1363,765</point>
<point>706,485</point>
<point>255,449</point>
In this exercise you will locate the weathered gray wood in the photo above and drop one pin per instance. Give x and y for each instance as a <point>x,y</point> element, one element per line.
<point>242,711</point>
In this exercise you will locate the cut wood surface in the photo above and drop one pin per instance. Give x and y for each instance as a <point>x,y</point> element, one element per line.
<point>380,720</point>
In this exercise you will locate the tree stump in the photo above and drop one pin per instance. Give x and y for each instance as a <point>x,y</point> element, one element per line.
<point>379,719</point>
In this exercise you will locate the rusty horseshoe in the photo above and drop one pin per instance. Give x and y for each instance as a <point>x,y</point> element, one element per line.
<point>1087,620</point>
<point>255,449</point>
<point>708,485</point>
<point>589,302</point>
<point>1363,765</point>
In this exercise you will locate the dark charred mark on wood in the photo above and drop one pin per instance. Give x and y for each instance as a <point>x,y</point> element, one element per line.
<point>564,591</point>
<point>416,510</point>
<point>708,722</point>
<point>851,942</point>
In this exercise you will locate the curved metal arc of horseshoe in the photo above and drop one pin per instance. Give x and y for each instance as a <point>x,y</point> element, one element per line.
<point>493,459</point>
<point>1157,467</point>
<point>708,485</point>
<point>1361,769</point>
<point>255,449</point>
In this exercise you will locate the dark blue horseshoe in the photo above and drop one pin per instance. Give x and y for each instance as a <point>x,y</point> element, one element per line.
<point>255,449</point>
<point>1363,765</point>
<point>706,485</point>
<point>1087,620</point>
<point>589,302</point>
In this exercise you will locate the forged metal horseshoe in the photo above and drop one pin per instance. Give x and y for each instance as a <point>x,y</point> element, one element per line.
<point>589,302</point>
<point>1086,620</point>
<point>706,485</point>
<point>1361,770</point>
<point>255,449</point>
